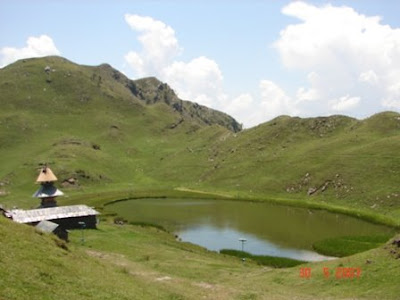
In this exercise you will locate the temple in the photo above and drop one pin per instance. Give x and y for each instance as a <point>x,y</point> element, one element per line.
<point>50,217</point>
<point>47,192</point>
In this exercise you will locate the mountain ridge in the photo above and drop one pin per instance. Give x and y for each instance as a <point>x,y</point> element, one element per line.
<point>105,79</point>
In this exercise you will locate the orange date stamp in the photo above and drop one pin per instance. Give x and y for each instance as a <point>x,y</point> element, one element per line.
<point>338,273</point>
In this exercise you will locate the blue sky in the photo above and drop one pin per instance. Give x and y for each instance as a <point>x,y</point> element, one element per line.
<point>252,59</point>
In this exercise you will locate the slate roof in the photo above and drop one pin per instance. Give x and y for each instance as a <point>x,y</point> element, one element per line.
<point>51,213</point>
<point>46,226</point>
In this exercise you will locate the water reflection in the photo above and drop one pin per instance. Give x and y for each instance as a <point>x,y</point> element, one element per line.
<point>216,239</point>
<point>270,229</point>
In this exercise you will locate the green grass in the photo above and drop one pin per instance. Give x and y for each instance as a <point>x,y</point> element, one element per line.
<point>34,266</point>
<point>148,224</point>
<point>135,262</point>
<point>139,150</point>
<point>145,150</point>
<point>264,260</point>
<point>349,245</point>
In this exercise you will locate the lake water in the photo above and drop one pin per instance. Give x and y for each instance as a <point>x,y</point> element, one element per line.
<point>269,229</point>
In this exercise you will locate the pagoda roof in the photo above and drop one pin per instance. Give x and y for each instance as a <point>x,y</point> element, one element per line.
<point>47,190</point>
<point>46,175</point>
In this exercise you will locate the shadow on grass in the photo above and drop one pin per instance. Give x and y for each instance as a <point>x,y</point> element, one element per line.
<point>349,245</point>
<point>265,260</point>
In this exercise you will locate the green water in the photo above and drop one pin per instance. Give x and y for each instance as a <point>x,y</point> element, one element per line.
<point>268,229</point>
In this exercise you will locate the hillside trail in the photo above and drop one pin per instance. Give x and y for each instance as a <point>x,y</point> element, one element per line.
<point>139,272</point>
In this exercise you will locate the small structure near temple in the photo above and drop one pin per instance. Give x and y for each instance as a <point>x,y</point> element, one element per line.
<point>65,217</point>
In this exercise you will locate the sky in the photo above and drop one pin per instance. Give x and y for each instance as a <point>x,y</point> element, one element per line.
<point>254,59</point>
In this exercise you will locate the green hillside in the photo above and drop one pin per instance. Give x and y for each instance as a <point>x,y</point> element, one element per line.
<point>110,133</point>
<point>130,262</point>
<point>107,138</point>
<point>333,159</point>
<point>92,124</point>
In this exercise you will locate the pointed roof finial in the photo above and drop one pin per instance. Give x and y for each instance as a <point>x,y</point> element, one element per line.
<point>46,175</point>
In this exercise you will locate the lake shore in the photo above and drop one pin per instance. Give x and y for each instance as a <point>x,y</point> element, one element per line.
<point>103,200</point>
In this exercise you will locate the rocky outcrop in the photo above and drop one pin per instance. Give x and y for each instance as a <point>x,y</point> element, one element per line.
<point>150,90</point>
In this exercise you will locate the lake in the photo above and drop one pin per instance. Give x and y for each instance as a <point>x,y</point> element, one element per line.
<point>269,229</point>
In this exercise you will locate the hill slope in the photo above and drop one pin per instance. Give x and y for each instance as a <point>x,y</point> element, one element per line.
<point>108,133</point>
<point>129,262</point>
<point>90,123</point>
<point>337,160</point>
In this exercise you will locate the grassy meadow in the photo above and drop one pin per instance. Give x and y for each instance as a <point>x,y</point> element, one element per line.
<point>349,245</point>
<point>94,125</point>
<point>135,262</point>
<point>120,139</point>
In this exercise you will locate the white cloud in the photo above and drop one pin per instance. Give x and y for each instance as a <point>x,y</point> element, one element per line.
<point>391,104</point>
<point>274,100</point>
<point>345,53</point>
<point>242,108</point>
<point>240,104</point>
<point>270,101</point>
<point>35,47</point>
<point>345,103</point>
<point>349,57</point>
<point>369,77</point>
<point>160,46</point>
<point>304,94</point>
<point>136,62</point>
<point>392,100</point>
<point>200,79</point>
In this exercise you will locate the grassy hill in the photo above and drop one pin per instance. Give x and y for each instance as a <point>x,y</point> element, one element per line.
<point>107,137</point>
<point>90,123</point>
<point>110,133</point>
<point>334,159</point>
<point>131,262</point>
